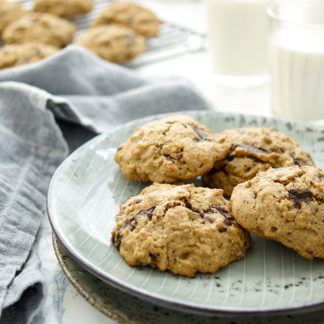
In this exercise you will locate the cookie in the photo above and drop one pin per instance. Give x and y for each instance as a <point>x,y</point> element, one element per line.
<point>114,43</point>
<point>142,20</point>
<point>253,150</point>
<point>69,9</point>
<point>169,149</point>
<point>183,229</point>
<point>285,205</point>
<point>42,28</point>
<point>9,12</point>
<point>19,54</point>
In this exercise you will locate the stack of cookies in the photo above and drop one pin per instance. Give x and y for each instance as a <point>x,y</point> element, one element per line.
<point>271,185</point>
<point>117,35</point>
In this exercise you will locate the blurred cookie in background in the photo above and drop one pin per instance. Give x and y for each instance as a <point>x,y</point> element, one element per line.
<point>64,8</point>
<point>40,27</point>
<point>142,20</point>
<point>9,12</point>
<point>20,54</point>
<point>114,43</point>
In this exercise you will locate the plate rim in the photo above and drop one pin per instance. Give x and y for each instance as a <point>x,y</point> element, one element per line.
<point>107,278</point>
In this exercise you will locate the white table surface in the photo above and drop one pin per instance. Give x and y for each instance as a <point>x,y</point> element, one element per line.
<point>70,307</point>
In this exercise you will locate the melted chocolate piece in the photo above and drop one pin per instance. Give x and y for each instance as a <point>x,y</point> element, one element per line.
<point>117,237</point>
<point>116,240</point>
<point>224,212</point>
<point>145,212</point>
<point>180,154</point>
<point>249,148</point>
<point>229,221</point>
<point>297,161</point>
<point>201,133</point>
<point>169,158</point>
<point>222,230</point>
<point>253,149</point>
<point>299,196</point>
<point>138,201</point>
<point>153,257</point>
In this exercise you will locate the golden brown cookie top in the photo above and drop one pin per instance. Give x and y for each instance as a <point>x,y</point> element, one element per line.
<point>253,150</point>
<point>141,19</point>
<point>173,148</point>
<point>19,54</point>
<point>183,229</point>
<point>9,12</point>
<point>64,8</point>
<point>286,205</point>
<point>265,145</point>
<point>40,27</point>
<point>114,43</point>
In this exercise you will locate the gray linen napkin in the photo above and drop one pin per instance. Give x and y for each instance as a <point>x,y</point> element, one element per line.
<point>74,86</point>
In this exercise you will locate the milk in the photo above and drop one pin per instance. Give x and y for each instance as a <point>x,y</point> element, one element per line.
<point>296,56</point>
<point>237,36</point>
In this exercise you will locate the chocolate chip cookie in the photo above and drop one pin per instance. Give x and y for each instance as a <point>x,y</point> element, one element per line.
<point>167,150</point>
<point>9,12</point>
<point>40,27</point>
<point>64,8</point>
<point>19,54</point>
<point>285,205</point>
<point>183,229</point>
<point>114,43</point>
<point>249,151</point>
<point>142,20</point>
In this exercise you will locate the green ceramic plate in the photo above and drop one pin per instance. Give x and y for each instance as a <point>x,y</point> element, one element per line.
<point>85,194</point>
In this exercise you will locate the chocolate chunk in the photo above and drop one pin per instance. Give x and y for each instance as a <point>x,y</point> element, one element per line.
<point>210,210</point>
<point>168,158</point>
<point>252,149</point>
<point>145,212</point>
<point>138,201</point>
<point>222,230</point>
<point>229,221</point>
<point>224,212</point>
<point>128,224</point>
<point>180,154</point>
<point>132,222</point>
<point>116,240</point>
<point>297,161</point>
<point>299,196</point>
<point>230,156</point>
<point>249,148</point>
<point>201,133</point>
<point>274,229</point>
<point>153,257</point>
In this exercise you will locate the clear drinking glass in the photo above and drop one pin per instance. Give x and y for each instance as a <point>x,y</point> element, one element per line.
<point>238,40</point>
<point>296,59</point>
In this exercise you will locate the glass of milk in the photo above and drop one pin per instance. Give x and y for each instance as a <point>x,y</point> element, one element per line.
<point>296,59</point>
<point>238,40</point>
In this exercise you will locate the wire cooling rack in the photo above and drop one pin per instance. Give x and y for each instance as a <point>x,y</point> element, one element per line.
<point>172,41</point>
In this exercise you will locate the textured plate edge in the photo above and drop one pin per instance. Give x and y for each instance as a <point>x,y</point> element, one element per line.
<point>104,309</point>
<point>147,295</point>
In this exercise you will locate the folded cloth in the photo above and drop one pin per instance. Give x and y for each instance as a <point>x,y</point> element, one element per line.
<point>73,86</point>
